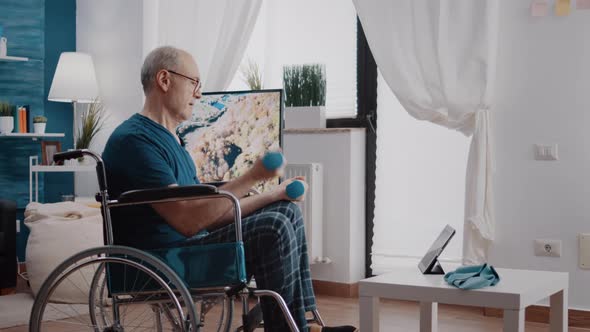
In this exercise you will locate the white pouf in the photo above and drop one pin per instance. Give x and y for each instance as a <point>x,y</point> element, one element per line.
<point>58,231</point>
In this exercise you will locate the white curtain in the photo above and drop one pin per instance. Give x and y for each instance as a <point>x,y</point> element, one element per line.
<point>215,32</point>
<point>439,59</point>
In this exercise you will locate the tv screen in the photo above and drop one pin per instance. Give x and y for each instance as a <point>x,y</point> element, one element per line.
<point>229,131</point>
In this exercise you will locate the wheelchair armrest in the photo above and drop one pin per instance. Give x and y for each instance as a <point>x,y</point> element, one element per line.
<point>156,194</point>
<point>253,191</point>
<point>216,183</point>
<point>178,193</point>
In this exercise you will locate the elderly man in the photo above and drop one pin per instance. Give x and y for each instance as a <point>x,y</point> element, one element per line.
<point>144,152</point>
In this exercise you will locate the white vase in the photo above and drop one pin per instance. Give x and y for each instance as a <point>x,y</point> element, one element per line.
<point>6,124</point>
<point>305,117</point>
<point>39,128</point>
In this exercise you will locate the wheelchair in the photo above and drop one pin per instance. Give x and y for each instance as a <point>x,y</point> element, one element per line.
<point>116,288</point>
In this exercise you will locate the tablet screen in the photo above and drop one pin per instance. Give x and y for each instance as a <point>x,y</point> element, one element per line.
<point>436,248</point>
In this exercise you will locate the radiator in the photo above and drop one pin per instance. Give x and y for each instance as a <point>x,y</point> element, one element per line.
<point>312,207</point>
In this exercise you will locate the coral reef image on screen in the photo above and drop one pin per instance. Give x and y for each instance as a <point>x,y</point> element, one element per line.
<point>228,132</point>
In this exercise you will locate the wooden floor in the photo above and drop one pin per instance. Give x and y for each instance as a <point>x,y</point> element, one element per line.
<point>401,316</point>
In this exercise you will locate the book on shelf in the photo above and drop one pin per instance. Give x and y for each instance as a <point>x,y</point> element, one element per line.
<point>23,113</point>
<point>22,119</point>
<point>16,117</point>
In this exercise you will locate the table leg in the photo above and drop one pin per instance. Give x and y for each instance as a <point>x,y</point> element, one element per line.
<point>369,313</point>
<point>428,316</point>
<point>514,320</point>
<point>558,311</point>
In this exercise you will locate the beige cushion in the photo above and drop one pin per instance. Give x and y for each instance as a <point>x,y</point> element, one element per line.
<point>59,231</point>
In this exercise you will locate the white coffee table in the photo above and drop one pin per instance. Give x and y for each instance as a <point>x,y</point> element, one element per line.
<point>516,290</point>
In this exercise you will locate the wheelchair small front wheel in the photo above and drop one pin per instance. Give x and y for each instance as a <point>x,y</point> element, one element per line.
<point>115,289</point>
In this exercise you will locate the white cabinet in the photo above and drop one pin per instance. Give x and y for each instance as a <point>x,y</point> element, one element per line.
<point>341,151</point>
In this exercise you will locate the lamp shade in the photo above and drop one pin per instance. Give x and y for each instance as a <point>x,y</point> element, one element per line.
<point>74,79</point>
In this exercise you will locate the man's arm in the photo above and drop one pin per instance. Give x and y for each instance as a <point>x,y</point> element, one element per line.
<point>191,216</point>
<point>249,205</point>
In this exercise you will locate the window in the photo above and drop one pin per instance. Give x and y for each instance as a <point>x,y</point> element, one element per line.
<point>306,31</point>
<point>420,185</point>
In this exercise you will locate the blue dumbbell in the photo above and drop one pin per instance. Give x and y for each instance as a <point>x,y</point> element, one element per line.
<point>295,189</point>
<point>273,160</point>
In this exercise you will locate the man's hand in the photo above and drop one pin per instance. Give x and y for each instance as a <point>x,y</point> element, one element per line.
<point>259,172</point>
<point>281,190</point>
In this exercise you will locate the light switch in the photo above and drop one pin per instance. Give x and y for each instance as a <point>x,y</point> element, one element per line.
<point>546,152</point>
<point>584,239</point>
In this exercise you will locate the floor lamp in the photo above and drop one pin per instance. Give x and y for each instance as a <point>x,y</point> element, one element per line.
<point>74,82</point>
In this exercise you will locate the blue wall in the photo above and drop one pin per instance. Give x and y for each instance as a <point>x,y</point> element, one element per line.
<point>21,83</point>
<point>60,36</point>
<point>39,31</point>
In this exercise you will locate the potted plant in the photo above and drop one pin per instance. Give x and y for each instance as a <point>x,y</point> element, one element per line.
<point>251,75</point>
<point>39,123</point>
<point>92,122</point>
<point>6,118</point>
<point>305,95</point>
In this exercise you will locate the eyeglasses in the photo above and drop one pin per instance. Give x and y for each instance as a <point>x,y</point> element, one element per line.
<point>196,83</point>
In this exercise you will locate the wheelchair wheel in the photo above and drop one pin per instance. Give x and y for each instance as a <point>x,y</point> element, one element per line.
<point>215,312</point>
<point>113,289</point>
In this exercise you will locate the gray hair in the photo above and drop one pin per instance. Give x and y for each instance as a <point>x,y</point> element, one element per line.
<point>165,57</point>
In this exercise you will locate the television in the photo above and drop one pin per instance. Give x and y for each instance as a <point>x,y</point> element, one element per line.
<point>229,131</point>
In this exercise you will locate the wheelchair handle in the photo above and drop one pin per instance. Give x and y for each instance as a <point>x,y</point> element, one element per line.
<point>100,170</point>
<point>75,154</point>
<point>60,156</point>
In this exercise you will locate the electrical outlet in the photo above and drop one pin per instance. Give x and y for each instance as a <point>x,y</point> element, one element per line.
<point>546,247</point>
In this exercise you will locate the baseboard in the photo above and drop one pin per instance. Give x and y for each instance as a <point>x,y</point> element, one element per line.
<point>7,291</point>
<point>540,314</point>
<point>336,288</point>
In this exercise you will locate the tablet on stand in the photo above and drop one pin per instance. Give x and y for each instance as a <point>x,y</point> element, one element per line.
<point>429,263</point>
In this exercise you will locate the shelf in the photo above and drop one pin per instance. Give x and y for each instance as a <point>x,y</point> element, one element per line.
<point>31,135</point>
<point>13,58</point>
<point>65,168</point>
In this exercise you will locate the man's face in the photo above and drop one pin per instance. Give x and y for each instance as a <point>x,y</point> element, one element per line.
<point>184,87</point>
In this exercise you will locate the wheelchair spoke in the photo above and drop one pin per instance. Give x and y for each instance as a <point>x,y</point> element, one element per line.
<point>133,300</point>
<point>145,300</point>
<point>137,317</point>
<point>69,315</point>
<point>134,281</point>
<point>84,277</point>
<point>136,276</point>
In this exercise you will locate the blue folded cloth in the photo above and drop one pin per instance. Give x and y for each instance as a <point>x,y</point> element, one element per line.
<point>473,277</point>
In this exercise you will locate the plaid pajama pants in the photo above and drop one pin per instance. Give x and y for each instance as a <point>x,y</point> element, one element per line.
<point>276,254</point>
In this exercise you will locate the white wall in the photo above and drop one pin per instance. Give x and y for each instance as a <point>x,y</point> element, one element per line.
<point>542,96</point>
<point>112,32</point>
